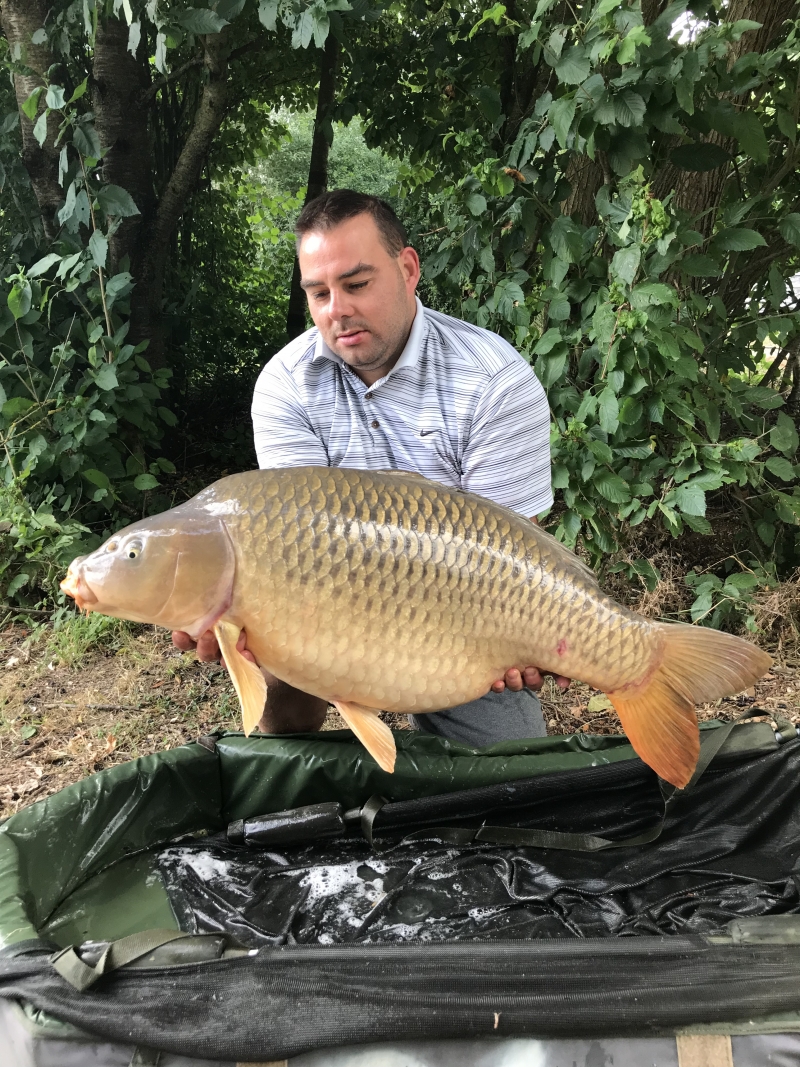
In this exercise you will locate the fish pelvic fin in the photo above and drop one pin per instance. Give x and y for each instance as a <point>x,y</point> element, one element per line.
<point>248,681</point>
<point>697,665</point>
<point>371,731</point>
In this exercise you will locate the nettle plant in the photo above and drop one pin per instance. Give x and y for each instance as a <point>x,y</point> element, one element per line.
<point>77,402</point>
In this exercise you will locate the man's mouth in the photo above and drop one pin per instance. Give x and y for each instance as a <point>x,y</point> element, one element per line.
<point>352,337</point>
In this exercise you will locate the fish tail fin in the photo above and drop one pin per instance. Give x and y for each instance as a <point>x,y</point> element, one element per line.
<point>697,665</point>
<point>248,681</point>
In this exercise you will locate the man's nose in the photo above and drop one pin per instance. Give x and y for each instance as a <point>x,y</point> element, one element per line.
<point>340,305</point>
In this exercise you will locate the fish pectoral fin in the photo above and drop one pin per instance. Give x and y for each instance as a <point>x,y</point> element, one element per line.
<point>371,731</point>
<point>248,681</point>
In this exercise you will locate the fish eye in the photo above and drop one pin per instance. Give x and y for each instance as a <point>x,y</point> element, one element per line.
<point>133,549</point>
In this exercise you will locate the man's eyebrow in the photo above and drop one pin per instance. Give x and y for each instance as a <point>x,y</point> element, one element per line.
<point>360,268</point>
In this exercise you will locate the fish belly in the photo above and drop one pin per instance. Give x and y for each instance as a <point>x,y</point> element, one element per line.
<point>403,595</point>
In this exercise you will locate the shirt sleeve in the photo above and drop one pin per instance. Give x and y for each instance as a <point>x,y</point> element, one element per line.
<point>507,456</point>
<point>282,430</point>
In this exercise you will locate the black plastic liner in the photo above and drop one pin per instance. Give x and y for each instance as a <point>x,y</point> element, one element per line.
<point>727,851</point>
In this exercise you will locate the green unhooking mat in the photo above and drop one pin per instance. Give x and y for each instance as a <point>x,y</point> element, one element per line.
<point>548,887</point>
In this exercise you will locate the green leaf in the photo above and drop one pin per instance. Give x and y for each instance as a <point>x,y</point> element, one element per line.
<point>626,263</point>
<point>547,341</point>
<point>697,523</point>
<point>98,248</point>
<point>559,309</point>
<point>550,368</point>
<point>28,731</point>
<point>19,299</point>
<point>566,239</point>
<point>31,104</point>
<point>781,468</point>
<point>786,124</point>
<point>476,204</point>
<point>789,228</point>
<point>751,137</point>
<point>145,481</point>
<point>738,239</point>
<point>608,410</point>
<point>268,14</point>
<point>652,293</point>
<point>612,487</point>
<point>636,37</point>
<point>561,114</point>
<point>690,499</point>
<point>41,266</point>
<point>54,97</point>
<point>79,92</point>
<point>699,157</point>
<point>17,406</point>
<point>698,265</point>
<point>115,285</point>
<point>783,435</point>
<point>86,141</point>
<point>629,108</point>
<point>489,101</point>
<point>106,377</point>
<point>200,20</point>
<point>97,478</point>
<point>116,201</point>
<point>40,129</point>
<point>168,416</point>
<point>573,67</point>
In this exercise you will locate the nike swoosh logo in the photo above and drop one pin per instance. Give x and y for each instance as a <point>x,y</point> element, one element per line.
<point>424,433</point>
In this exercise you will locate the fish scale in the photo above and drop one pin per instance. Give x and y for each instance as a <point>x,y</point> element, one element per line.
<point>381,590</point>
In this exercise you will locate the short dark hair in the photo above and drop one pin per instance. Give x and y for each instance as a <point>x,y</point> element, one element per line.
<point>328,210</point>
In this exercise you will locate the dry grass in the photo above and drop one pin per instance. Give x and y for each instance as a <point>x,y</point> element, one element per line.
<point>98,692</point>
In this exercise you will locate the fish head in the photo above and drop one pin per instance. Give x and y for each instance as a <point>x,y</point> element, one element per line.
<point>176,570</point>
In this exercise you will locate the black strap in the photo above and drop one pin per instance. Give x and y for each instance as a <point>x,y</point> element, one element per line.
<point>710,744</point>
<point>368,813</point>
<point>80,975</point>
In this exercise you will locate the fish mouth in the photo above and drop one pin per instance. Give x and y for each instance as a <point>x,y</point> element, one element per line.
<point>74,585</point>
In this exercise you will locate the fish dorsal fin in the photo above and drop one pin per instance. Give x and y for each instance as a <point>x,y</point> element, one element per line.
<point>248,681</point>
<point>371,731</point>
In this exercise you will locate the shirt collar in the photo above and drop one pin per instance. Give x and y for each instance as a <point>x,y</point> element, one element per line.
<point>409,357</point>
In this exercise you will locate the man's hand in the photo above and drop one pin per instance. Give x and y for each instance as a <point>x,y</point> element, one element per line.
<point>207,646</point>
<point>531,678</point>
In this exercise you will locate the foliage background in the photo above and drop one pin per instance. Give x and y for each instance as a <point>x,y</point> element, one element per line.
<point>612,185</point>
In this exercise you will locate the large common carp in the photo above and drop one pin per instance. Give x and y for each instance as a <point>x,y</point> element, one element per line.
<point>382,590</point>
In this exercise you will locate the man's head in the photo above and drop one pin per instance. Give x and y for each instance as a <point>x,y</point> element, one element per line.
<point>359,276</point>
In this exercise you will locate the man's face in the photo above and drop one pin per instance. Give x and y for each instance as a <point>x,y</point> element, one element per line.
<point>361,298</point>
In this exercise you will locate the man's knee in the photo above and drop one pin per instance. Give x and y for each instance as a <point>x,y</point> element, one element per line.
<point>289,711</point>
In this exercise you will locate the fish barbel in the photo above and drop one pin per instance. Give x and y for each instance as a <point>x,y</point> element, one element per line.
<point>380,590</point>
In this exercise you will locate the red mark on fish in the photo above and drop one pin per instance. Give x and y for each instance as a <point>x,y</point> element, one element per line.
<point>561,647</point>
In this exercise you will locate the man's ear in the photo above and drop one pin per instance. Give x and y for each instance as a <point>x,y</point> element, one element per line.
<point>408,261</point>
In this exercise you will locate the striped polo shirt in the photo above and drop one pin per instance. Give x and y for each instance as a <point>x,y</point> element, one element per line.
<point>460,406</point>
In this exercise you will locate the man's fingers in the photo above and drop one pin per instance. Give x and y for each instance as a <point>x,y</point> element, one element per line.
<point>182,640</point>
<point>513,680</point>
<point>562,682</point>
<point>240,647</point>
<point>208,647</point>
<point>533,678</point>
<point>498,686</point>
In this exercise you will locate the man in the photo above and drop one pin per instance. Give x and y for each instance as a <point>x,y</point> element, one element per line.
<point>382,383</point>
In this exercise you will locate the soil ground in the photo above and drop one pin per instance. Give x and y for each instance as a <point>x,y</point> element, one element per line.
<point>97,692</point>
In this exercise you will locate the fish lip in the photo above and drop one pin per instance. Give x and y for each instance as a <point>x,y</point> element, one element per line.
<point>75,586</point>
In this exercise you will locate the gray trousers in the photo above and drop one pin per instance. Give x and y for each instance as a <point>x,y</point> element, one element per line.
<point>505,716</point>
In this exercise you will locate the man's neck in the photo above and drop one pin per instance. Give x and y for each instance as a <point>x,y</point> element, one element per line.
<point>370,376</point>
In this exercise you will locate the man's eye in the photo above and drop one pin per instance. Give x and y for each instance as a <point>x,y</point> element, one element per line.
<point>358,285</point>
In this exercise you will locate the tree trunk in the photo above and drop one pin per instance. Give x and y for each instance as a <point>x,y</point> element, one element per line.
<point>121,120</point>
<point>20,19</point>
<point>157,233</point>
<point>700,193</point>
<point>317,171</point>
